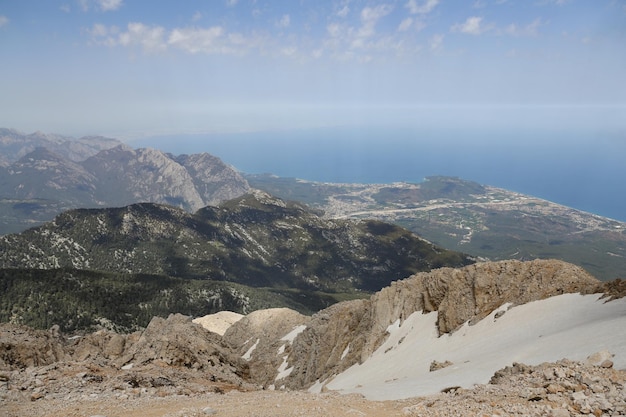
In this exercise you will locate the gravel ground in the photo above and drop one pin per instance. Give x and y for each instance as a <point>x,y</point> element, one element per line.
<point>557,389</point>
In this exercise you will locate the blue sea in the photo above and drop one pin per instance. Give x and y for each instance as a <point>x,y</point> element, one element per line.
<point>584,170</point>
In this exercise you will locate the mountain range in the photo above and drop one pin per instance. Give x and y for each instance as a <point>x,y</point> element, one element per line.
<point>46,175</point>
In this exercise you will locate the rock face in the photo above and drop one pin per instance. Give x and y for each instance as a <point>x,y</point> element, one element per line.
<point>348,333</point>
<point>21,347</point>
<point>127,175</point>
<point>263,338</point>
<point>177,341</point>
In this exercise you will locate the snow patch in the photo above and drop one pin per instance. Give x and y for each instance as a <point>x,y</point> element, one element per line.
<point>291,336</point>
<point>283,371</point>
<point>345,352</point>
<point>569,326</point>
<point>248,353</point>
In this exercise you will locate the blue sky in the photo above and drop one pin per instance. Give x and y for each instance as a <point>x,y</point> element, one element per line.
<point>134,68</point>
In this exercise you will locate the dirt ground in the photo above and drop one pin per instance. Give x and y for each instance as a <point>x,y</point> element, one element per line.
<point>232,404</point>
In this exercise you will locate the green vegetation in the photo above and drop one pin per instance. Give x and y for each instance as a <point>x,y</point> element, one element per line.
<point>79,300</point>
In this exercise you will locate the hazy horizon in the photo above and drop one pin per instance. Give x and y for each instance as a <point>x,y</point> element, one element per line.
<point>132,69</point>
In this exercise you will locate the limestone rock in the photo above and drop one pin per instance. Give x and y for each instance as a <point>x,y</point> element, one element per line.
<point>22,347</point>
<point>263,339</point>
<point>350,332</point>
<point>218,322</point>
<point>177,341</point>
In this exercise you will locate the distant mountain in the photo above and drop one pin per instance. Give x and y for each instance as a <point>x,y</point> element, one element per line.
<point>290,255</point>
<point>484,221</point>
<point>50,178</point>
<point>14,145</point>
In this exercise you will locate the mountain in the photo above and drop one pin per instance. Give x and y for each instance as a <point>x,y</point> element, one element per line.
<point>45,175</point>
<point>14,145</point>
<point>127,176</point>
<point>255,240</point>
<point>44,183</point>
<point>487,222</point>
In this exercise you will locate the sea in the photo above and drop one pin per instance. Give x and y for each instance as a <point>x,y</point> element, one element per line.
<point>585,170</point>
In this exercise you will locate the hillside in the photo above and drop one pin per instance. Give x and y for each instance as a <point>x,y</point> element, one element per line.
<point>484,221</point>
<point>292,254</point>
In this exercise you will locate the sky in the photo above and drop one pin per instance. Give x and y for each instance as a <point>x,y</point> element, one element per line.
<point>131,69</point>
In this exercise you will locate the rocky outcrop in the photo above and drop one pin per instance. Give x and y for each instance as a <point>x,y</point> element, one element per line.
<point>177,341</point>
<point>349,333</point>
<point>263,338</point>
<point>471,293</point>
<point>22,347</point>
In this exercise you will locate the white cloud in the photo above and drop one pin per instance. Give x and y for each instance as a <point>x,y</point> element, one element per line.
<point>343,12</point>
<point>284,21</point>
<point>196,16</point>
<point>3,21</point>
<point>192,40</point>
<point>405,24</point>
<point>333,29</point>
<point>369,17</point>
<point>289,51</point>
<point>423,7</point>
<point>149,38</point>
<point>472,26</point>
<point>231,3</point>
<point>109,5</point>
<point>435,42</point>
<point>197,40</point>
<point>66,8</point>
<point>531,29</point>
<point>99,30</point>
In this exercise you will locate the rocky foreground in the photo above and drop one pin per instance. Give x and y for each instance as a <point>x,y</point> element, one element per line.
<point>68,389</point>
<point>262,364</point>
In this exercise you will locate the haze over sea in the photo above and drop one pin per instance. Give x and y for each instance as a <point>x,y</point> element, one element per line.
<point>583,169</point>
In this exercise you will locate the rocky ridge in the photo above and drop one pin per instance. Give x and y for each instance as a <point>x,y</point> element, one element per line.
<point>348,333</point>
